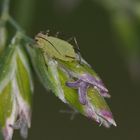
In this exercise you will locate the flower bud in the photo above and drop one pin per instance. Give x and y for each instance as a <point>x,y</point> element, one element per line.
<point>72,80</point>
<point>90,92</point>
<point>16,89</point>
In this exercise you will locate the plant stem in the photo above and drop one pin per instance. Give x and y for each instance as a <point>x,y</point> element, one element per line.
<point>5,10</point>
<point>6,17</point>
<point>15,24</point>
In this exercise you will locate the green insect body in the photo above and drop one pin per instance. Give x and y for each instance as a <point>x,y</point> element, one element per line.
<point>53,47</point>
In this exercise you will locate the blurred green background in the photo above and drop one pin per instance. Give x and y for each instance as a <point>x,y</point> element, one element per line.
<point>108,33</point>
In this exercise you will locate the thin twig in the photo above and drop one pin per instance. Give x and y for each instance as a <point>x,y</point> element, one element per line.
<point>15,24</point>
<point>20,30</point>
<point>5,10</point>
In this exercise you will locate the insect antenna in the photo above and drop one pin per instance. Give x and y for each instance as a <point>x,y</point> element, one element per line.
<point>47,32</point>
<point>77,48</point>
<point>57,33</point>
<point>75,41</point>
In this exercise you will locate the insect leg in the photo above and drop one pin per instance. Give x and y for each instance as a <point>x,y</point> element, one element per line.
<point>75,41</point>
<point>72,112</point>
<point>57,33</point>
<point>77,49</point>
<point>47,32</point>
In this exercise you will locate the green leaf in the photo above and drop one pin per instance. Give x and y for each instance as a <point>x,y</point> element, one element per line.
<point>24,76</point>
<point>78,68</point>
<point>97,100</point>
<point>40,66</point>
<point>7,66</point>
<point>5,104</point>
<point>23,81</point>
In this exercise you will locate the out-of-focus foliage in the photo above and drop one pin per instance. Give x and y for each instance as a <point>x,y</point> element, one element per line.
<point>16,89</point>
<point>125,18</point>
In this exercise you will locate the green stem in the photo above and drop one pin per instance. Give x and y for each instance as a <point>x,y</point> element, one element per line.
<point>20,30</point>
<point>6,17</point>
<point>15,24</point>
<point>5,10</point>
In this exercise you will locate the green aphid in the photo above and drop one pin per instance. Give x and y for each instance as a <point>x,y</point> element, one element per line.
<point>56,48</point>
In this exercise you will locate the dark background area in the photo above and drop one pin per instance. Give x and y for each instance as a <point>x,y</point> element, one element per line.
<point>91,24</point>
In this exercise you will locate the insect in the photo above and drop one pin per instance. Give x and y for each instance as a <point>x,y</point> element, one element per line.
<point>56,48</point>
